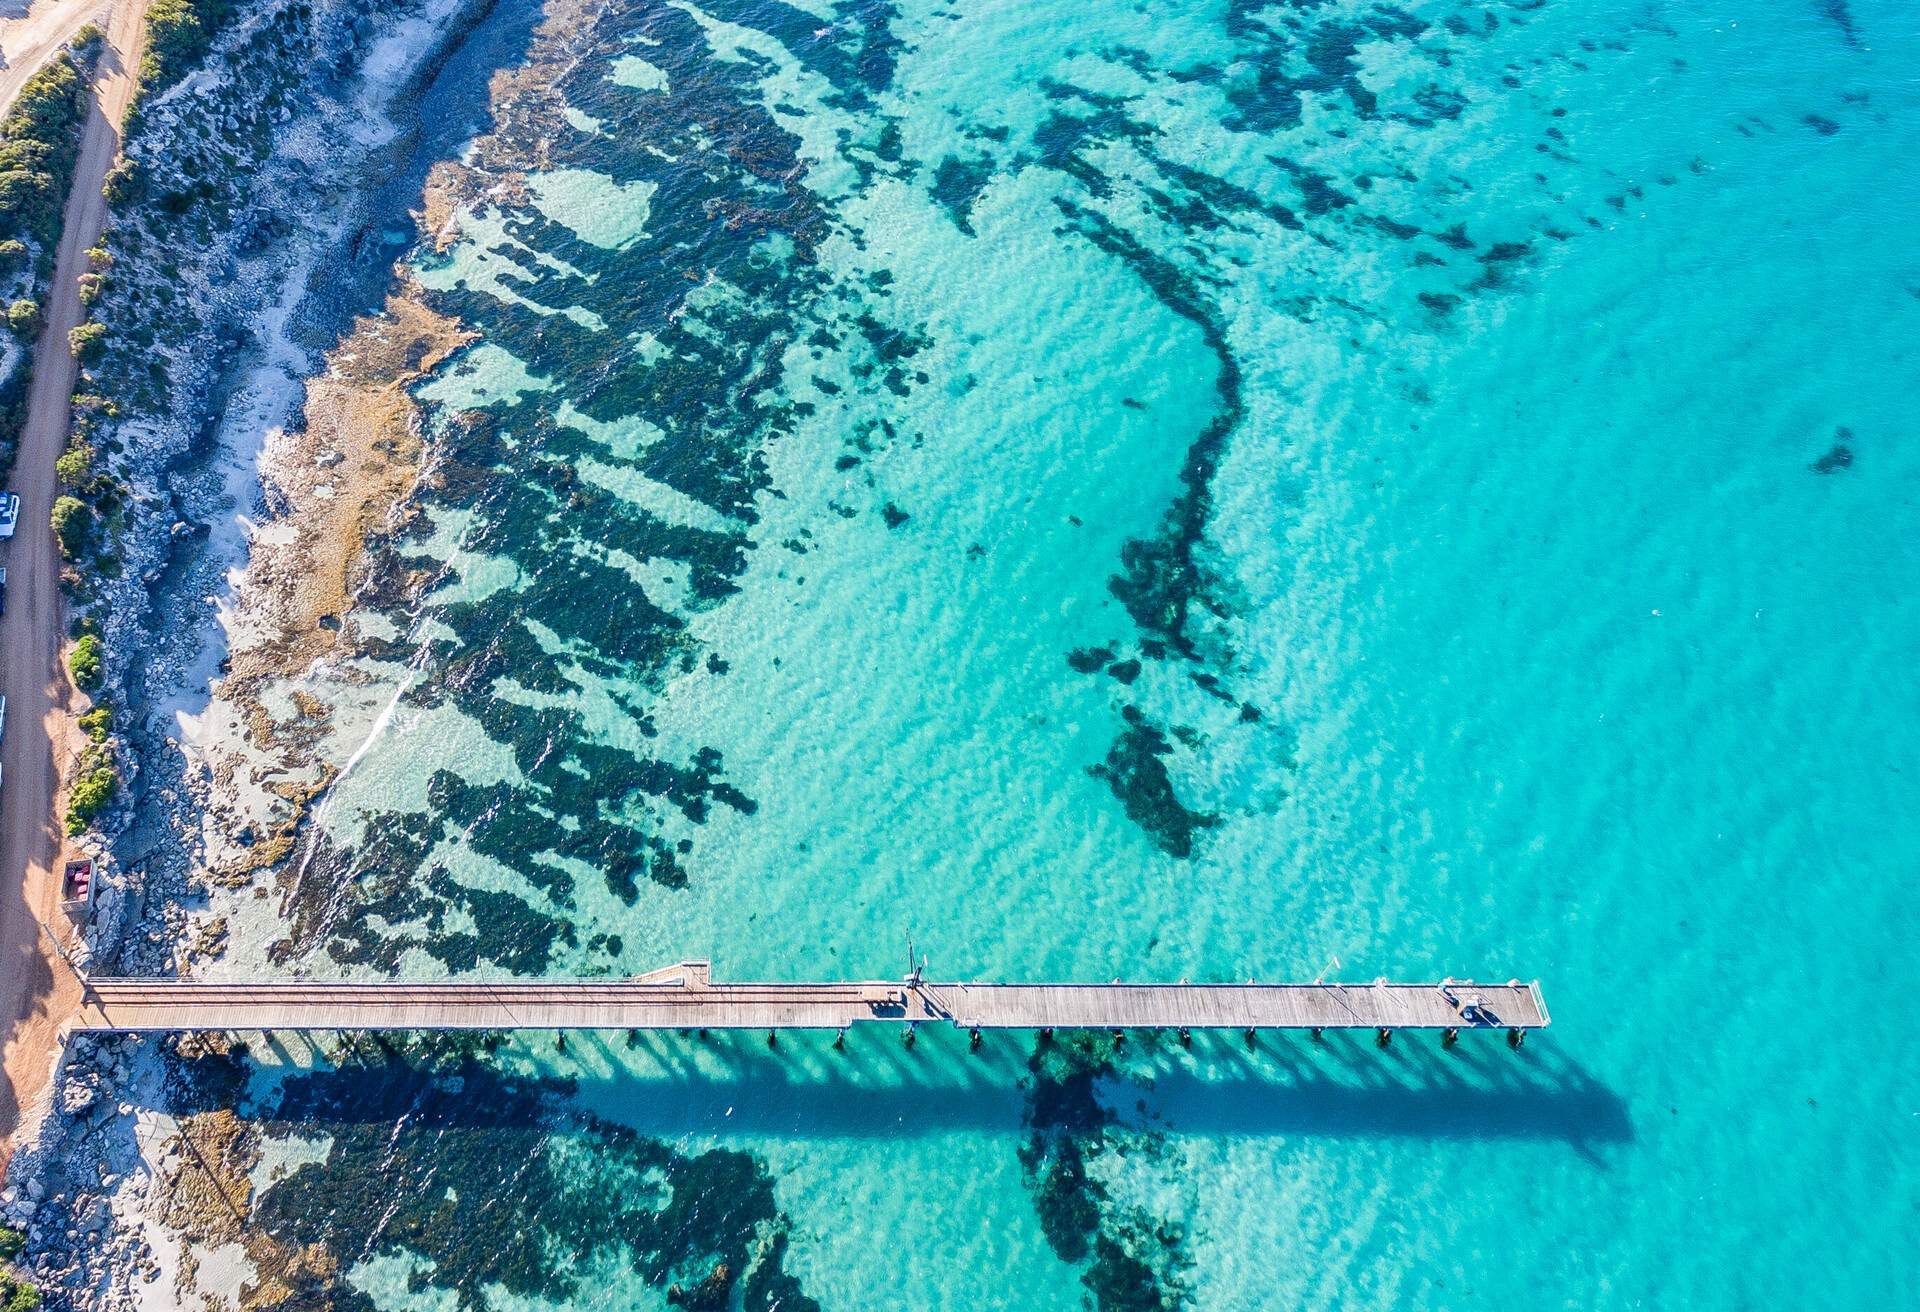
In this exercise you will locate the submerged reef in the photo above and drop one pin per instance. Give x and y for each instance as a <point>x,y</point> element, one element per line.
<point>1131,1260</point>
<point>238,163</point>
<point>472,1147</point>
<point>651,325</point>
<point>639,336</point>
<point>1138,776</point>
<point>660,350</point>
<point>1839,456</point>
<point>473,1181</point>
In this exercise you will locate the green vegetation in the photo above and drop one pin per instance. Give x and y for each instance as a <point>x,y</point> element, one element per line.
<point>86,661</point>
<point>39,142</point>
<point>184,173</point>
<point>88,40</point>
<point>88,404</point>
<point>72,525</point>
<point>75,465</point>
<point>86,515</point>
<point>97,723</point>
<point>88,342</point>
<point>13,410</point>
<point>16,1294</point>
<point>179,33</point>
<point>122,183</point>
<point>96,779</point>
<point>93,787</point>
<point>39,139</point>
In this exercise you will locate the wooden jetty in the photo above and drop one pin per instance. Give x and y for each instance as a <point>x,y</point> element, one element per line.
<point>685,997</point>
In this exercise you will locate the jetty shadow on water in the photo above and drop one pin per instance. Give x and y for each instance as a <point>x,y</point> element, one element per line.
<point>1477,1090</point>
<point>669,1085</point>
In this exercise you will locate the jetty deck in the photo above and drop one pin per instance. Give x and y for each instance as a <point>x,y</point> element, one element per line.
<point>685,997</point>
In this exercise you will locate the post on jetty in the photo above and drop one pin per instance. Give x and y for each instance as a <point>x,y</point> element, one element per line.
<point>685,997</point>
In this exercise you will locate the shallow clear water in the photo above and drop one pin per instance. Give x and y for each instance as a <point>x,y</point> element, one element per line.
<point>1464,392</point>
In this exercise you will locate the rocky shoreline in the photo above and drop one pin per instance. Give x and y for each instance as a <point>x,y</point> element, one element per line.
<point>219,442</point>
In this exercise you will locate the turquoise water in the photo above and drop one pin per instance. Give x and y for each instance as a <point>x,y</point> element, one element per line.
<point>1165,491</point>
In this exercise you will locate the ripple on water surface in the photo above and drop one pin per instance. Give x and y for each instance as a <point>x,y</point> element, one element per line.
<point>1154,493</point>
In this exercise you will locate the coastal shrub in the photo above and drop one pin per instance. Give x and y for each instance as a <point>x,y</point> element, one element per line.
<point>51,99</point>
<point>99,259</point>
<point>74,465</point>
<point>17,1295</point>
<point>179,32</point>
<point>88,39</point>
<point>22,192</point>
<point>88,342</point>
<point>97,723</point>
<point>86,661</point>
<point>11,1243</point>
<point>91,285</point>
<point>72,522</point>
<point>23,316</point>
<point>92,790</point>
<point>39,140</point>
<point>13,255</point>
<point>13,411</point>
<point>122,183</point>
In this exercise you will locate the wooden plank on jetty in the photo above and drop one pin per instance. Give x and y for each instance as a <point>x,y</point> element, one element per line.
<point>684,997</point>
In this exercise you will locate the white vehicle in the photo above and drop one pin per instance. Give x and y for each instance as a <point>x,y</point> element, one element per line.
<point>9,513</point>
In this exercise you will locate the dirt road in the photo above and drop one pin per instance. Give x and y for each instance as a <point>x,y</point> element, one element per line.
<point>36,990</point>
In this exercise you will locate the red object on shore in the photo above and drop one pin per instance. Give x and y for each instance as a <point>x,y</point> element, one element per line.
<point>79,878</point>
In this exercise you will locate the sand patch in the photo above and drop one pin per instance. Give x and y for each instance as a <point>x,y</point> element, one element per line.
<point>595,207</point>
<point>344,476</point>
<point>448,185</point>
<point>206,1195</point>
<point>342,480</point>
